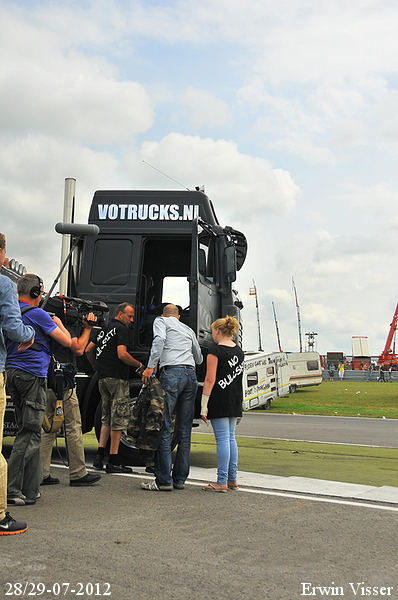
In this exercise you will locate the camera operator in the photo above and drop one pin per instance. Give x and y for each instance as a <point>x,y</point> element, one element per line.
<point>78,474</point>
<point>27,385</point>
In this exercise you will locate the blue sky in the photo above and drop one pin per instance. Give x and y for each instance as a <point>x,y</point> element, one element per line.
<point>285,111</point>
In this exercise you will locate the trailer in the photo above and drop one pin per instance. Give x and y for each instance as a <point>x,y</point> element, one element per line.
<point>305,369</point>
<point>265,378</point>
<point>361,357</point>
<point>335,358</point>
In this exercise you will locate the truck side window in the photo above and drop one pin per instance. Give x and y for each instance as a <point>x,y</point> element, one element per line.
<point>207,258</point>
<point>176,290</point>
<point>111,262</point>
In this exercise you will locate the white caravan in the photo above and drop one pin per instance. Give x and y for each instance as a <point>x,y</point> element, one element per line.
<point>305,369</point>
<point>265,377</point>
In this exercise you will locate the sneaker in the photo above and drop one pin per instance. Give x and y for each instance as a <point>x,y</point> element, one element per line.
<point>88,479</point>
<point>9,526</point>
<point>150,469</point>
<point>50,481</point>
<point>18,501</point>
<point>178,486</point>
<point>98,462</point>
<point>154,487</point>
<point>110,468</point>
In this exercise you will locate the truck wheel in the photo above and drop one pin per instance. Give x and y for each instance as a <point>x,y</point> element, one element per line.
<point>127,451</point>
<point>292,388</point>
<point>267,405</point>
<point>97,420</point>
<point>130,453</point>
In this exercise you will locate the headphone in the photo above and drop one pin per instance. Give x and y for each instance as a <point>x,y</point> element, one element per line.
<point>35,291</point>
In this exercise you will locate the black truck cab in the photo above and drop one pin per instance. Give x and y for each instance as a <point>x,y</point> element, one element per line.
<point>154,248</point>
<point>157,247</point>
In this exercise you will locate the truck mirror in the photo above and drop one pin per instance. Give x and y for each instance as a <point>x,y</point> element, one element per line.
<point>230,263</point>
<point>77,229</point>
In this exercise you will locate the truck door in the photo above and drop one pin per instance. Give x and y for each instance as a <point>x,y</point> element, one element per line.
<point>205,300</point>
<point>164,276</point>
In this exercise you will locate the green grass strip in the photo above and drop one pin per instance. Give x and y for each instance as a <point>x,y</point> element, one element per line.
<point>345,399</point>
<point>335,462</point>
<point>351,464</point>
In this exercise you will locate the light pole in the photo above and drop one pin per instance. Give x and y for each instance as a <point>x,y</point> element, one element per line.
<point>253,292</point>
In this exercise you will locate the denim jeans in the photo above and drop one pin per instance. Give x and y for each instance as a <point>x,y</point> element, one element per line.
<point>227,449</point>
<point>180,386</point>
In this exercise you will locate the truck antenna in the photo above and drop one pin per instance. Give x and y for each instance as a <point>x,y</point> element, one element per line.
<point>161,172</point>
<point>298,316</point>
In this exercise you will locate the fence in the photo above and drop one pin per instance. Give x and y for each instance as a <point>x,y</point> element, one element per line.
<point>359,375</point>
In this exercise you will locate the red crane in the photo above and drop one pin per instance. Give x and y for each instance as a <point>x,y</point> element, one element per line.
<point>388,355</point>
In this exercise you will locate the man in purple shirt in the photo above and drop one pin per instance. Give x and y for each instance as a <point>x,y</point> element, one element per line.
<point>11,324</point>
<point>27,385</point>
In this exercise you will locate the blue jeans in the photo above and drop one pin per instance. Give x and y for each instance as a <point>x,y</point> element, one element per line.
<point>180,386</point>
<point>227,449</point>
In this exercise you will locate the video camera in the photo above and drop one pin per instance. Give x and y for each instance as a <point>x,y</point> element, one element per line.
<point>73,311</point>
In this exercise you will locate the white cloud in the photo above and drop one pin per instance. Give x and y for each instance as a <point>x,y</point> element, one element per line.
<point>380,199</point>
<point>306,95</point>
<point>205,108</point>
<point>48,90</point>
<point>280,295</point>
<point>243,185</point>
<point>298,145</point>
<point>32,173</point>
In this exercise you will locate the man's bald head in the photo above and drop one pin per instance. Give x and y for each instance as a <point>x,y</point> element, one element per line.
<point>170,310</point>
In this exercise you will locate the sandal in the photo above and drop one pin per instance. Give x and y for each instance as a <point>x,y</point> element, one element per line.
<point>232,485</point>
<point>211,488</point>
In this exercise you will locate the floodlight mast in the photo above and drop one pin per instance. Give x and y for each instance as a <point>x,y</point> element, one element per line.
<point>253,292</point>
<point>311,341</point>
<point>298,316</point>
<point>277,329</point>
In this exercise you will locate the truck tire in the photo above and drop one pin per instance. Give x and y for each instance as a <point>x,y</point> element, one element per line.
<point>129,453</point>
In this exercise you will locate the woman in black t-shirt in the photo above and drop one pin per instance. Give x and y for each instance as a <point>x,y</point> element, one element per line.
<point>222,400</point>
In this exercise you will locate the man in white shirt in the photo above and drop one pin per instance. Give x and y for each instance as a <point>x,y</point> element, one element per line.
<point>176,349</point>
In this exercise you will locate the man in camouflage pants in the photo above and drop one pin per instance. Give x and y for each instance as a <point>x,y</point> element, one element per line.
<point>108,353</point>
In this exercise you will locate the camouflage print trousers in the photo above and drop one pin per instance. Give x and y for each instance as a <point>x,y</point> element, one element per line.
<point>115,395</point>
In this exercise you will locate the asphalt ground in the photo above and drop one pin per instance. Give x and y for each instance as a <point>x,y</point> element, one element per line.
<point>277,537</point>
<point>359,431</point>
<point>266,540</point>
